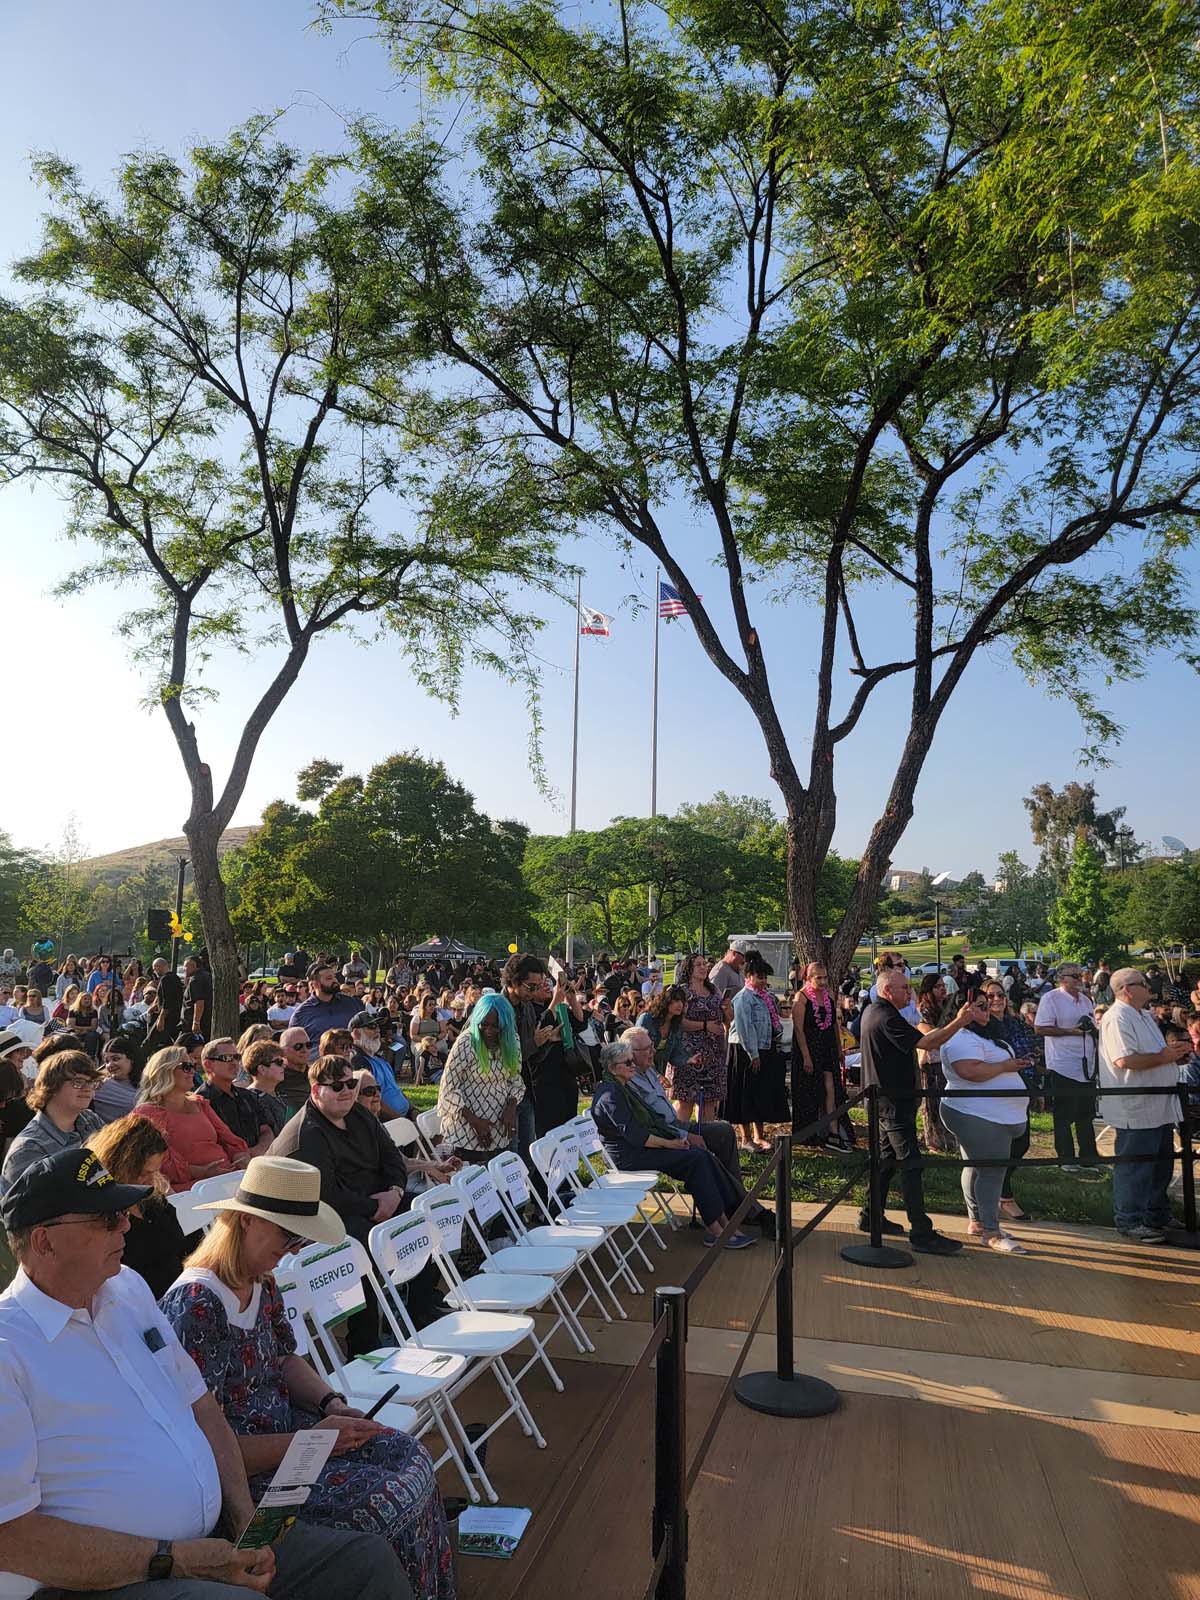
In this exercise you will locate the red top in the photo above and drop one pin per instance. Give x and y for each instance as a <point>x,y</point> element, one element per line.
<point>194,1139</point>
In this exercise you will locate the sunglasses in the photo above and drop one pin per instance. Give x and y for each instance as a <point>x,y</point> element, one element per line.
<point>371,1094</point>
<point>337,1084</point>
<point>225,1057</point>
<point>110,1221</point>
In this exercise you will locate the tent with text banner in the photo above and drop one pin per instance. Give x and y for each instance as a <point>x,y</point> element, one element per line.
<point>454,949</point>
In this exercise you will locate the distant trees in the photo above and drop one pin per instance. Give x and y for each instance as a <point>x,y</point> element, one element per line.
<point>1018,914</point>
<point>1162,907</point>
<point>1082,923</point>
<point>1060,817</point>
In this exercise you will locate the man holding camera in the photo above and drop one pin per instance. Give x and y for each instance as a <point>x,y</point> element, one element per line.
<point>1065,1020</point>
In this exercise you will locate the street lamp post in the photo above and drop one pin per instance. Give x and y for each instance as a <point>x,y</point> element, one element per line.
<point>937,934</point>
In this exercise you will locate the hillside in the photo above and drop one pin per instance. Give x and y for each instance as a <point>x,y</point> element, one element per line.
<point>122,864</point>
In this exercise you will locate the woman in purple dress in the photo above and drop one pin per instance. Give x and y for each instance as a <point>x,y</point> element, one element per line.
<point>701,1081</point>
<point>230,1318</point>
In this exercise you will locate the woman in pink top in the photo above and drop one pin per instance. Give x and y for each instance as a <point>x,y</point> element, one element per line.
<point>199,1145</point>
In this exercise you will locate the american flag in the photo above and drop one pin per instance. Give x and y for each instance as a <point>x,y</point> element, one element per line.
<point>669,602</point>
<point>591,621</point>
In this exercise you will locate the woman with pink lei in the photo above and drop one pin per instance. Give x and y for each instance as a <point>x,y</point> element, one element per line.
<point>817,1037</point>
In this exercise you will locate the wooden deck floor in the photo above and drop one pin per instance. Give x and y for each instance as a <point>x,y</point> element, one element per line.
<point>1013,1484</point>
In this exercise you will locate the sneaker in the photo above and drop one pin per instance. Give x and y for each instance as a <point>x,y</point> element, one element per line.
<point>838,1146</point>
<point>1006,1245</point>
<point>936,1244</point>
<point>1091,1171</point>
<point>1071,1167</point>
<point>1143,1234</point>
<point>740,1241</point>
<point>894,1228</point>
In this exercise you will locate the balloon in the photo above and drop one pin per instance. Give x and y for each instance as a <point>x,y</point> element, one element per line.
<point>187,938</point>
<point>512,949</point>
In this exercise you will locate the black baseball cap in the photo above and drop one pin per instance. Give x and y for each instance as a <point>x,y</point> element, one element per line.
<point>68,1181</point>
<point>366,1020</point>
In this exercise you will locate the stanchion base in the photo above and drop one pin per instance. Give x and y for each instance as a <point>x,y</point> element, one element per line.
<point>786,1397</point>
<point>876,1255</point>
<point>1181,1239</point>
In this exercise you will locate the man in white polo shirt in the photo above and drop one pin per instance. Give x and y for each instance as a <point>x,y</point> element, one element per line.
<point>1133,1055</point>
<point>115,1460</point>
<point>1064,1019</point>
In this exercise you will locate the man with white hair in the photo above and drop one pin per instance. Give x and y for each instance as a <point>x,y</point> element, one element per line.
<point>294,1090</point>
<point>164,1019</point>
<point>1133,1055</point>
<point>888,1040</point>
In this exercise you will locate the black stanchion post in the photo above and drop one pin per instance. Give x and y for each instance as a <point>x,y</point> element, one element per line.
<point>1187,1235</point>
<point>782,1393</point>
<point>876,1253</point>
<point>670,1445</point>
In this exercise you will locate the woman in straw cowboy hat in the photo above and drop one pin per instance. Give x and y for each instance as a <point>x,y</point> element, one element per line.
<point>230,1317</point>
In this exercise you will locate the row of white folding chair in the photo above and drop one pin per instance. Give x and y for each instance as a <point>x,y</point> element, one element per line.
<point>222,1187</point>
<point>636,1188</point>
<point>610,1176</point>
<point>324,1284</point>
<point>614,1212</point>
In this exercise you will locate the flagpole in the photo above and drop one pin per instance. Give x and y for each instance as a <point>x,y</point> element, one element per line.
<point>570,950</point>
<point>651,906</point>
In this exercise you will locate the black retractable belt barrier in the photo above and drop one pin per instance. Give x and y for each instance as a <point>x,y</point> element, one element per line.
<point>876,1253</point>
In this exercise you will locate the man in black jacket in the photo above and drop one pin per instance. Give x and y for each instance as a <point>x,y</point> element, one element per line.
<point>363,1177</point>
<point>164,1020</point>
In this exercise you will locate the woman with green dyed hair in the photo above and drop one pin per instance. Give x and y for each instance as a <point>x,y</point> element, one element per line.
<point>481,1087</point>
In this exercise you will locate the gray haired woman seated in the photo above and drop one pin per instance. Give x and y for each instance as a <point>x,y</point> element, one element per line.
<point>636,1138</point>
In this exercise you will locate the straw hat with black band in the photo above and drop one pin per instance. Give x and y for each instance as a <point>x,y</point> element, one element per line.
<point>287,1193</point>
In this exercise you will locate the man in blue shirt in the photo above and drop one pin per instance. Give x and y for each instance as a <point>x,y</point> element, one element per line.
<point>716,1137</point>
<point>325,1007</point>
<point>364,1030</point>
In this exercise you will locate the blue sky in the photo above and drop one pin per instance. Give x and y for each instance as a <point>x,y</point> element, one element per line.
<point>93,82</point>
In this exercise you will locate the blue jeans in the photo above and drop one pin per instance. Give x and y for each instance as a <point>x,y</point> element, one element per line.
<point>1140,1189</point>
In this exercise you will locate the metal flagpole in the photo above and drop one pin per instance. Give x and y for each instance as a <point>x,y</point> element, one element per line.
<point>570,951</point>
<point>651,904</point>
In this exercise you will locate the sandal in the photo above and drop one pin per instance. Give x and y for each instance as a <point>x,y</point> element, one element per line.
<point>1012,1210</point>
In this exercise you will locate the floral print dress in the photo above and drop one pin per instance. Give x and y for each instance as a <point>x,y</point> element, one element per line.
<point>709,1077</point>
<point>387,1486</point>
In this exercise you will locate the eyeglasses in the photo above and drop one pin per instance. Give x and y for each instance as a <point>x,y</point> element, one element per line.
<point>371,1094</point>
<point>79,1080</point>
<point>277,1061</point>
<point>225,1057</point>
<point>337,1084</point>
<point>110,1221</point>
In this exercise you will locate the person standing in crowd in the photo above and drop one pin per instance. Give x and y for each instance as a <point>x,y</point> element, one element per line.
<point>237,1108</point>
<point>727,975</point>
<point>115,1461</point>
<point>199,1144</point>
<point>483,1085</point>
<point>718,1137</point>
<point>526,984</point>
<point>755,1093</point>
<point>117,1094</point>
<point>662,1022</point>
<point>10,968</point>
<point>701,1083</point>
<point>68,975</point>
<point>987,1129</point>
<point>197,996</point>
<point>1101,985</point>
<point>164,1018</point>
<point>556,1068</point>
<point>817,1046</point>
<point>325,1007</point>
<point>283,1003</point>
<point>1005,1026</point>
<point>889,1042</point>
<point>133,1150</point>
<point>427,1035</point>
<point>932,1004</point>
<point>61,1098</point>
<point>1064,1021</point>
<point>229,1316</point>
<point>1134,1055</point>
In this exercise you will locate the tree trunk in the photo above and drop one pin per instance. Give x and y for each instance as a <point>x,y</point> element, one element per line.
<point>202,836</point>
<point>803,872</point>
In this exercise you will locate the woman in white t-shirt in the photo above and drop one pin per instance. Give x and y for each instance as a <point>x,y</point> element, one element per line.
<point>985,1127</point>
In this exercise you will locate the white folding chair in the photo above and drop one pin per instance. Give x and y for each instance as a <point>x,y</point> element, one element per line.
<point>190,1219</point>
<point>223,1187</point>
<point>613,1212</point>
<point>400,1248</point>
<point>579,1144</point>
<point>429,1131</point>
<point>511,1178</point>
<point>483,1291</point>
<point>331,1281</point>
<point>403,1132</point>
<point>560,1261</point>
<point>610,1176</point>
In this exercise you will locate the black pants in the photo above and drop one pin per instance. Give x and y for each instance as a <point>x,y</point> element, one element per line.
<point>1019,1147</point>
<point>1074,1106</point>
<point>720,1140</point>
<point>898,1138</point>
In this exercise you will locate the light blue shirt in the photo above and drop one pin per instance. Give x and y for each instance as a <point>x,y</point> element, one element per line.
<point>752,1025</point>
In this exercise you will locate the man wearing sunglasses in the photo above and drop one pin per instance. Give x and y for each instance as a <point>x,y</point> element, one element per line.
<point>237,1108</point>
<point>116,1463</point>
<point>363,1175</point>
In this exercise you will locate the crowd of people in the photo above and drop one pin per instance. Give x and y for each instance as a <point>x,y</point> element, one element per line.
<point>111,1106</point>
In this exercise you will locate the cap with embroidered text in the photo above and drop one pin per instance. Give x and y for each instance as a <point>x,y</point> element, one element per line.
<point>70,1182</point>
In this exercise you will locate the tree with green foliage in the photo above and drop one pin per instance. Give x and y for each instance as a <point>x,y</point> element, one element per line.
<point>1082,924</point>
<point>1162,907</point>
<point>1059,818</point>
<point>57,900</point>
<point>211,370</point>
<point>1017,914</point>
<point>17,867</point>
<point>887,298</point>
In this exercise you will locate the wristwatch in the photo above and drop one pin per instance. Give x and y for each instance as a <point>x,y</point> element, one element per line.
<point>323,1402</point>
<point>162,1562</point>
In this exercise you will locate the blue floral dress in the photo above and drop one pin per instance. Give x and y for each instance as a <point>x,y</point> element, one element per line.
<point>387,1486</point>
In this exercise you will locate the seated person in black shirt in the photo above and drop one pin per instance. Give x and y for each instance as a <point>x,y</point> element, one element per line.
<point>237,1108</point>
<point>888,1041</point>
<point>363,1177</point>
